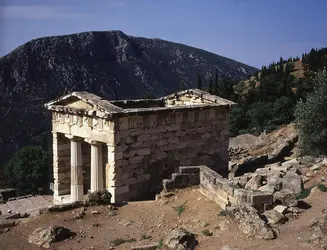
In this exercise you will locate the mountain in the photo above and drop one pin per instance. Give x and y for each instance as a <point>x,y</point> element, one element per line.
<point>110,64</point>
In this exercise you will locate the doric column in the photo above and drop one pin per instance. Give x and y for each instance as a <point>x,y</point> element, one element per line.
<point>76,187</point>
<point>96,166</point>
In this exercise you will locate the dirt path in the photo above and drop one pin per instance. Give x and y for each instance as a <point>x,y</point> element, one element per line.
<point>153,219</point>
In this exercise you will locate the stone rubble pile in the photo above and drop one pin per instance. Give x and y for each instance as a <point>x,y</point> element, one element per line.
<point>272,178</point>
<point>285,182</point>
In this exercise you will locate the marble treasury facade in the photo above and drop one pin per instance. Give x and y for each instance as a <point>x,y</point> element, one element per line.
<point>130,146</point>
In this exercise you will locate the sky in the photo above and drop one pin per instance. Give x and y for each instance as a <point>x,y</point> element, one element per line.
<point>254,32</point>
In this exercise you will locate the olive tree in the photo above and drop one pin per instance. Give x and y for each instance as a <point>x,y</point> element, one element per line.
<point>311,118</point>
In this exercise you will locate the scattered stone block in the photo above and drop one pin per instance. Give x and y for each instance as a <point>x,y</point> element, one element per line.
<point>293,182</point>
<point>47,235</point>
<point>250,222</point>
<point>180,239</point>
<point>255,182</point>
<point>281,209</point>
<point>285,197</point>
<point>273,217</point>
<point>102,197</point>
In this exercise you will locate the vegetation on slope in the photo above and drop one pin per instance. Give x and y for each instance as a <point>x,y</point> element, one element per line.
<point>28,169</point>
<point>268,99</point>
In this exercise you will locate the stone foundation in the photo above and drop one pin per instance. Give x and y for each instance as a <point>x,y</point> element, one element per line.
<point>217,188</point>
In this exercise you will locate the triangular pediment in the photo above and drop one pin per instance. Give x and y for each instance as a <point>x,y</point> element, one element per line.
<point>83,101</point>
<point>197,96</point>
<point>75,102</point>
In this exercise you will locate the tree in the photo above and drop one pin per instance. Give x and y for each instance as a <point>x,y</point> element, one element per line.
<point>28,169</point>
<point>215,87</point>
<point>199,81</point>
<point>311,118</point>
<point>259,115</point>
<point>210,85</point>
<point>238,120</point>
<point>182,85</point>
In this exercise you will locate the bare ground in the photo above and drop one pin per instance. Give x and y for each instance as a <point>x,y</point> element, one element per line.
<point>153,219</point>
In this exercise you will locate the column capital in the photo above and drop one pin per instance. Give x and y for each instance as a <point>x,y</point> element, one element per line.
<point>93,142</point>
<point>73,137</point>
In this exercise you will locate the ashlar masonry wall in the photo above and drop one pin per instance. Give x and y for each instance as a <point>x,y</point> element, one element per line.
<point>149,148</point>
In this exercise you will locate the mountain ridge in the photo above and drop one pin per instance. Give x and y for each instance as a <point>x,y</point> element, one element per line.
<point>137,37</point>
<point>110,64</point>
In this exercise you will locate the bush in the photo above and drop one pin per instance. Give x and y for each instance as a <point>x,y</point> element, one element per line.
<point>311,118</point>
<point>28,169</point>
<point>322,187</point>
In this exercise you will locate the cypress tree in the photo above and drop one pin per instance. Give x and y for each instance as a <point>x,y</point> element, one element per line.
<point>210,85</point>
<point>199,81</point>
<point>182,85</point>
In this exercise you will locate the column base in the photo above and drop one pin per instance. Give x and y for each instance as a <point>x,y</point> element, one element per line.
<point>119,194</point>
<point>64,199</point>
<point>76,193</point>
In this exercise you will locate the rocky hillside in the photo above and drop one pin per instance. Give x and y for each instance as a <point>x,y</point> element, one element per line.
<point>110,64</point>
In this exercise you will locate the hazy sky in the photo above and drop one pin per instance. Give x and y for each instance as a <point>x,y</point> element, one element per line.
<point>254,32</point>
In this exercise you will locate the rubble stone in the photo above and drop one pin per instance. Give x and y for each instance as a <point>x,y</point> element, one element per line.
<point>293,181</point>
<point>180,239</point>
<point>274,217</point>
<point>250,222</point>
<point>285,197</point>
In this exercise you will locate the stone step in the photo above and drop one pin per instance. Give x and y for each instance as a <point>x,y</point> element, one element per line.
<point>4,208</point>
<point>29,205</point>
<point>26,203</point>
<point>14,206</point>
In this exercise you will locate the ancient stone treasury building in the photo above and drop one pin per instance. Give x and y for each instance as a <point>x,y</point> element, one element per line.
<point>130,146</point>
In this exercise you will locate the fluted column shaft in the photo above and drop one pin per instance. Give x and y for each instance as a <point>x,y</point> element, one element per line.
<point>96,167</point>
<point>76,187</point>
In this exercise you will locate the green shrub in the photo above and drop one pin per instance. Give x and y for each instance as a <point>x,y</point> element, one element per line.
<point>28,169</point>
<point>311,119</point>
<point>160,244</point>
<point>304,194</point>
<point>322,187</point>
<point>180,209</point>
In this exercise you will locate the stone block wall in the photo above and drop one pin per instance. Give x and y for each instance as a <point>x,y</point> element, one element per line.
<point>217,188</point>
<point>149,148</point>
<point>225,193</point>
<point>140,149</point>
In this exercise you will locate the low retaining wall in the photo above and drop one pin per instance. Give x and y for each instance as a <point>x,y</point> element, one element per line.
<point>217,188</point>
<point>187,177</point>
